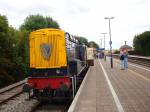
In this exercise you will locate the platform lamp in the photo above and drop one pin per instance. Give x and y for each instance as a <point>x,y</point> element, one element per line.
<point>101,43</point>
<point>111,59</point>
<point>104,45</point>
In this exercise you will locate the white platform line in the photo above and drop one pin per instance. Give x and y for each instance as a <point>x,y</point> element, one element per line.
<point>116,99</point>
<point>74,103</point>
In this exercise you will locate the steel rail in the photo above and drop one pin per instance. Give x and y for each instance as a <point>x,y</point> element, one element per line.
<point>11,91</point>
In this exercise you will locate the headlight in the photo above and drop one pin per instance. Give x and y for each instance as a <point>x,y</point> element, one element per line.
<point>58,71</point>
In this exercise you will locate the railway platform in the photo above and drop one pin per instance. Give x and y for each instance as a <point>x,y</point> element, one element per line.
<point>106,89</point>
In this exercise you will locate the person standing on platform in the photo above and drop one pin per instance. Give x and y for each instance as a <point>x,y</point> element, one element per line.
<point>122,60</point>
<point>125,59</point>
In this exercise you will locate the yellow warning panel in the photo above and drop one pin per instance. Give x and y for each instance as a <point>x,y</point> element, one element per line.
<point>47,48</point>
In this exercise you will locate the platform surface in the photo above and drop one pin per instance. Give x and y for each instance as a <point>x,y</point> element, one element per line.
<point>115,90</point>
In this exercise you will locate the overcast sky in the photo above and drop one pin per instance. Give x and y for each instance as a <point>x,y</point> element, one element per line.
<point>86,17</point>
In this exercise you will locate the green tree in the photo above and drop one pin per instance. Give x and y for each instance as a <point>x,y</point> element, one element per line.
<point>3,24</point>
<point>141,43</point>
<point>13,64</point>
<point>34,22</point>
<point>93,44</point>
<point>7,41</point>
<point>22,59</point>
<point>51,23</point>
<point>3,35</point>
<point>82,40</point>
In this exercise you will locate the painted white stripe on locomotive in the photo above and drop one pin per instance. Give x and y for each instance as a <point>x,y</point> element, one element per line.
<point>74,103</point>
<point>116,99</point>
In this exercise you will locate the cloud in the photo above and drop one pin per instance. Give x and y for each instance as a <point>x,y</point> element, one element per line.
<point>75,8</point>
<point>86,17</point>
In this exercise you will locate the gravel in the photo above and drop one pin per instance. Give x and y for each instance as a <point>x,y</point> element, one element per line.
<point>19,104</point>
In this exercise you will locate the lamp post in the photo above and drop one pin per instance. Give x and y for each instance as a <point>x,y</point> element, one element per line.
<point>104,39</point>
<point>101,43</point>
<point>125,42</point>
<point>111,59</point>
<point>104,45</point>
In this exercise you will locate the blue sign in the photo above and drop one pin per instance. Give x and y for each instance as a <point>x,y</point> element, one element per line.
<point>100,49</point>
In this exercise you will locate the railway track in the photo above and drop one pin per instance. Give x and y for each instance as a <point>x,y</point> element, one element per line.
<point>12,99</point>
<point>10,92</point>
<point>137,60</point>
<point>51,107</point>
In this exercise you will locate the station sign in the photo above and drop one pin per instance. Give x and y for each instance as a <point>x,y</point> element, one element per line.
<point>100,49</point>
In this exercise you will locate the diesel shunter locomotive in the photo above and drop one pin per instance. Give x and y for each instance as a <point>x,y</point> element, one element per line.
<point>56,60</point>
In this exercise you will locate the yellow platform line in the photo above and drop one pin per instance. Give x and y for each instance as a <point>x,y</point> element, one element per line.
<point>135,73</point>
